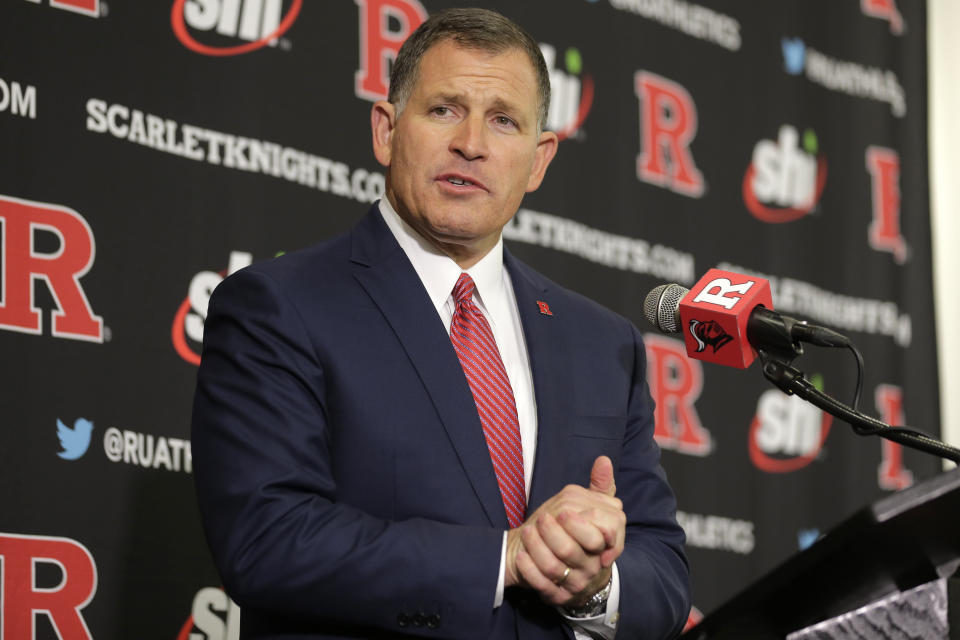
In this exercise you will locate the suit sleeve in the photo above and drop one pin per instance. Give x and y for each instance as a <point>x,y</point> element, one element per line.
<point>654,577</point>
<point>265,481</point>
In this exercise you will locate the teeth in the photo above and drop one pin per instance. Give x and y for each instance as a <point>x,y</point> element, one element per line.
<point>458,181</point>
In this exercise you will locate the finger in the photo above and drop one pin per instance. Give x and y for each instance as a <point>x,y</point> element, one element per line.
<point>590,538</point>
<point>541,554</point>
<point>549,592</point>
<point>609,521</point>
<point>583,567</point>
<point>601,476</point>
<point>578,499</point>
<point>613,551</point>
<point>561,543</point>
<point>575,585</point>
<point>597,583</point>
<point>609,556</point>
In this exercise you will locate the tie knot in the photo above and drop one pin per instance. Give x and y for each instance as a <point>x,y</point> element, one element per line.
<point>463,290</point>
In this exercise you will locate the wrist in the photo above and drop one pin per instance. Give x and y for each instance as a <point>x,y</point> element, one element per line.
<point>594,606</point>
<point>511,574</point>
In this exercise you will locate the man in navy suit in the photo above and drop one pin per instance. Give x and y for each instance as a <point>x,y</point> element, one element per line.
<point>347,480</point>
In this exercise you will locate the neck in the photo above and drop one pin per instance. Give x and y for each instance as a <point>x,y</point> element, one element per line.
<point>465,257</point>
<point>466,252</point>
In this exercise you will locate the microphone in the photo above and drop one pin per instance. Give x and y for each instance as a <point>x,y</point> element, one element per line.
<point>727,317</point>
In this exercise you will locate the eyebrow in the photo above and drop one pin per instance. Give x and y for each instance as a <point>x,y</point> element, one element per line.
<point>499,104</point>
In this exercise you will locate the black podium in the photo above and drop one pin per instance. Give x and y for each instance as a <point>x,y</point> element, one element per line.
<point>886,572</point>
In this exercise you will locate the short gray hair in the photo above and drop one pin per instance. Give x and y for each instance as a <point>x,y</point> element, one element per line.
<point>473,29</point>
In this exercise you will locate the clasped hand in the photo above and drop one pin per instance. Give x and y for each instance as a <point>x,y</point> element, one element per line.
<point>577,529</point>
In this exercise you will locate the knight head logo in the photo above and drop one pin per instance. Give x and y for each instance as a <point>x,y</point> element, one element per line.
<point>709,333</point>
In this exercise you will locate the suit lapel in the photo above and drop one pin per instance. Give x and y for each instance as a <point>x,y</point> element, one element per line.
<point>544,329</point>
<point>391,282</point>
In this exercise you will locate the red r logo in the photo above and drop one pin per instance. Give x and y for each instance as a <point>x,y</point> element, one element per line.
<point>885,10</point>
<point>22,265</point>
<point>884,233</point>
<point>668,119</point>
<point>675,383</point>
<point>892,474</point>
<point>23,598</point>
<point>379,44</point>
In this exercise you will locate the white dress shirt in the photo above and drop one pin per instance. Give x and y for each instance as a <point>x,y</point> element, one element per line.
<point>495,297</point>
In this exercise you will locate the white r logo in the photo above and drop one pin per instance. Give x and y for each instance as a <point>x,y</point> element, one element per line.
<point>723,286</point>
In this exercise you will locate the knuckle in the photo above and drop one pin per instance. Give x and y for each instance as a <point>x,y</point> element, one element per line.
<point>557,569</point>
<point>574,586</point>
<point>571,491</point>
<point>595,544</point>
<point>567,550</point>
<point>541,582</point>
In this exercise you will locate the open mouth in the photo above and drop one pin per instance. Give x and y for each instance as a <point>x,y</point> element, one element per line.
<point>460,181</point>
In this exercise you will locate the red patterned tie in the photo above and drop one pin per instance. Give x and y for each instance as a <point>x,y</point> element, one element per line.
<point>473,341</point>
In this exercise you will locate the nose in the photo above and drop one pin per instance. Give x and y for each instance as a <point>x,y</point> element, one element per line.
<point>470,138</point>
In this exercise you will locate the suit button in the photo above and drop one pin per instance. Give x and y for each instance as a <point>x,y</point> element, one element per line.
<point>433,620</point>
<point>419,620</point>
<point>403,620</point>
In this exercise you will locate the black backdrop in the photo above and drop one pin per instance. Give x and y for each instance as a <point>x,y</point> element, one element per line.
<point>150,148</point>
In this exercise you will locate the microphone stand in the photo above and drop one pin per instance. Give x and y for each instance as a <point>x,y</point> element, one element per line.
<point>778,370</point>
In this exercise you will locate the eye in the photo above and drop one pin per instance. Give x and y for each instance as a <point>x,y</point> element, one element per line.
<point>440,110</point>
<point>504,121</point>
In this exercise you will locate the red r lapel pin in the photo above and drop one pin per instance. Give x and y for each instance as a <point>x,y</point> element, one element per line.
<point>544,308</point>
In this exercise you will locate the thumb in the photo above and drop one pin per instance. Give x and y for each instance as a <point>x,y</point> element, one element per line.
<point>601,476</point>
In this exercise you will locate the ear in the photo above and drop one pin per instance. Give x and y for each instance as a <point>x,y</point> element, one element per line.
<point>546,149</point>
<point>383,120</point>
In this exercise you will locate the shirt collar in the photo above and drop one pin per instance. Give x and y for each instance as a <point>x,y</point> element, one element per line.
<point>439,272</point>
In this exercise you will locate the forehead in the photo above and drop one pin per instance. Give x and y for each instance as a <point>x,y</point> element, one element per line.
<point>448,65</point>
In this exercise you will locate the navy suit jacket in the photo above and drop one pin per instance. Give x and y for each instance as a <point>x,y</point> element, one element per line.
<point>343,479</point>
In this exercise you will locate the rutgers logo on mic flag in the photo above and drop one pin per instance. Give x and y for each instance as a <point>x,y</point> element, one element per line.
<point>714,317</point>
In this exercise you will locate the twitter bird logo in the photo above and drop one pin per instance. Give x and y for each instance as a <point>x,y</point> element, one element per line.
<point>74,442</point>
<point>806,537</point>
<point>794,55</point>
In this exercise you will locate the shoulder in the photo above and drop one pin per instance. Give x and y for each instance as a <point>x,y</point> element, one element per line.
<point>582,310</point>
<point>308,264</point>
<point>327,264</point>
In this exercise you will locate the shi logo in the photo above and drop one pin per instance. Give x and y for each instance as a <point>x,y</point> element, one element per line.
<point>709,333</point>
<point>75,441</point>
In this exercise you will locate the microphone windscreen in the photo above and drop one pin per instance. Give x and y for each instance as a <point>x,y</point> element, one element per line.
<point>662,307</point>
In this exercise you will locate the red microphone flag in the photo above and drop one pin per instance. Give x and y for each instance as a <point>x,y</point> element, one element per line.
<point>714,314</point>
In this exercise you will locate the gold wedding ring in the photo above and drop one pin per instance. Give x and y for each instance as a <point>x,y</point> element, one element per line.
<point>559,581</point>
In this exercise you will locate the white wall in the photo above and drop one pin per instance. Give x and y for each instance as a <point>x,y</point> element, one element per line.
<point>943,25</point>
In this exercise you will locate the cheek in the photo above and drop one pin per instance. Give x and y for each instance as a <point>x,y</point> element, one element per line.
<point>407,167</point>
<point>523,165</point>
<point>520,174</point>
<point>406,147</point>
